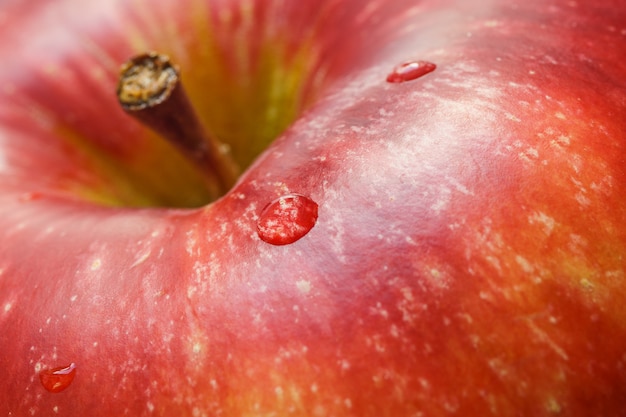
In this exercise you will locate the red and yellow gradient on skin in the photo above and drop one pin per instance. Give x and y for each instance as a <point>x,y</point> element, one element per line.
<point>467,258</point>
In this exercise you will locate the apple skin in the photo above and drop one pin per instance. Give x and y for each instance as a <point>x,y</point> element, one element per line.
<point>468,258</point>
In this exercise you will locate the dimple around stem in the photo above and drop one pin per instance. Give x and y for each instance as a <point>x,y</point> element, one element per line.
<point>151,91</point>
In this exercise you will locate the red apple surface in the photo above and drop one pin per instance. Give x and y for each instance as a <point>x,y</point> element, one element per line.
<point>446,179</point>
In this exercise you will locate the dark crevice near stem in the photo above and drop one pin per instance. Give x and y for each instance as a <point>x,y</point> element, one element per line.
<point>151,91</point>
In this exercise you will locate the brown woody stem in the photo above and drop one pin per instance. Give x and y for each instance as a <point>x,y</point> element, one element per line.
<point>150,90</point>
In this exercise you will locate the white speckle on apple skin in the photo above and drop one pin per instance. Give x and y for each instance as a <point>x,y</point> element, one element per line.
<point>540,217</point>
<point>96,264</point>
<point>379,310</point>
<point>583,200</point>
<point>526,266</point>
<point>142,257</point>
<point>544,337</point>
<point>344,364</point>
<point>192,242</point>
<point>304,286</point>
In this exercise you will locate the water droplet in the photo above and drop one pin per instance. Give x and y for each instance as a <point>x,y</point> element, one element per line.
<point>410,70</point>
<point>287,219</point>
<point>57,379</point>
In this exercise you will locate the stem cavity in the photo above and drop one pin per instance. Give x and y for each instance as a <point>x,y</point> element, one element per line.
<point>150,90</point>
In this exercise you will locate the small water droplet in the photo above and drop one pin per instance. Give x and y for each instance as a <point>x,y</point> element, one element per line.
<point>410,70</point>
<point>57,379</point>
<point>287,219</point>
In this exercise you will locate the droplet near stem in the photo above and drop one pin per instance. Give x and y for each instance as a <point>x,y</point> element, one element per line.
<point>57,379</point>
<point>150,90</point>
<point>410,70</point>
<point>287,219</point>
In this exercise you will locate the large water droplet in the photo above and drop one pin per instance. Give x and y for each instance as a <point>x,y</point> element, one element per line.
<point>410,70</point>
<point>287,219</point>
<point>57,379</point>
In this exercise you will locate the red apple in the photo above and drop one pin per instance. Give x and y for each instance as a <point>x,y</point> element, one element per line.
<point>463,240</point>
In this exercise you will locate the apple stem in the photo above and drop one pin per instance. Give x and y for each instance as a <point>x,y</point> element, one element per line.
<point>150,90</point>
